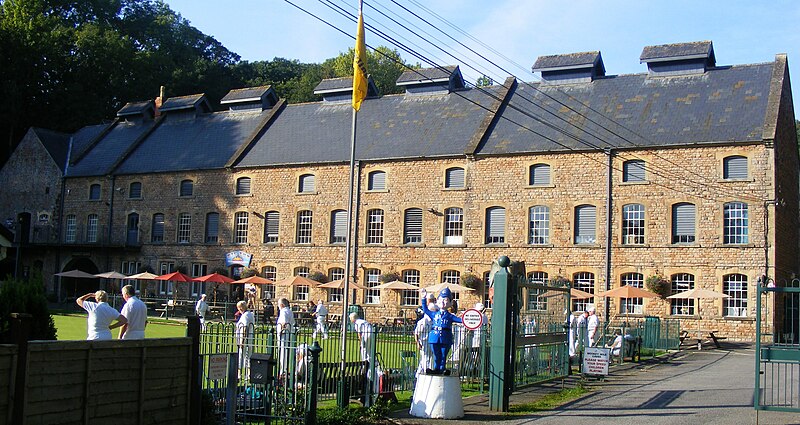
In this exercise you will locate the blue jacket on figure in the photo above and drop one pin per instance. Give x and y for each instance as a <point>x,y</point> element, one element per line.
<point>441,335</point>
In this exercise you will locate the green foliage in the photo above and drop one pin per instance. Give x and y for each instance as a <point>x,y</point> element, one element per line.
<point>340,416</point>
<point>472,281</point>
<point>248,271</point>
<point>659,285</point>
<point>484,81</point>
<point>18,296</point>
<point>318,276</point>
<point>390,276</point>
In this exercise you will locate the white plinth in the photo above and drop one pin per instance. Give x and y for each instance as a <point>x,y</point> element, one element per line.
<point>437,397</point>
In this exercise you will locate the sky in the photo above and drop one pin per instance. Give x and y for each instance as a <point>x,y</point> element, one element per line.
<point>509,33</point>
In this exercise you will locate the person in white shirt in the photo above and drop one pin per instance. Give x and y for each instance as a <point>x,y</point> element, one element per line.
<point>592,323</point>
<point>421,331</point>
<point>616,344</point>
<point>321,314</point>
<point>201,308</point>
<point>135,311</point>
<point>365,335</point>
<point>100,315</point>
<point>284,328</point>
<point>244,335</point>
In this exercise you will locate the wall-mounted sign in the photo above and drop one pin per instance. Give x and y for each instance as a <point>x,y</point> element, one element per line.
<point>239,258</point>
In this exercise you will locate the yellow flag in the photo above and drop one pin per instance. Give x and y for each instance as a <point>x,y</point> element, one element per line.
<point>359,64</point>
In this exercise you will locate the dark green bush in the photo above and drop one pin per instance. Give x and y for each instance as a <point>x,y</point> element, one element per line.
<point>17,296</point>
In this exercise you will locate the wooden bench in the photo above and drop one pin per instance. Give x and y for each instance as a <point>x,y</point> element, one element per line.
<point>355,375</point>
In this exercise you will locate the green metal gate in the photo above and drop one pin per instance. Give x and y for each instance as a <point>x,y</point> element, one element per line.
<point>777,379</point>
<point>529,332</point>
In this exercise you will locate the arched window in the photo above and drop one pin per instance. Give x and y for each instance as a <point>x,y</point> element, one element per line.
<point>585,282</point>
<point>633,171</point>
<point>307,184</point>
<point>376,181</point>
<point>412,226</point>
<point>305,220</point>
<point>735,287</point>
<point>271,226</point>
<point>632,305</point>
<point>585,224</point>
<point>186,188</point>
<point>453,226</point>
<point>212,227</point>
<point>539,225</point>
<point>539,175</point>
<point>411,296</point>
<point>633,224</point>
<point>683,219</point>
<point>240,227</point>
<point>681,306</point>
<point>454,178</point>
<point>243,186</point>
<point>495,225</point>
<point>734,168</point>
<point>157,228</point>
<point>135,190</point>
<point>94,192</point>
<point>535,299</point>
<point>736,223</point>
<point>375,226</point>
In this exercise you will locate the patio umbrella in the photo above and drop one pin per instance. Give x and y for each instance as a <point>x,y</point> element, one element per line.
<point>143,275</point>
<point>256,280</point>
<point>575,294</point>
<point>397,286</point>
<point>627,291</point>
<point>296,281</point>
<point>699,294</point>
<point>175,277</point>
<point>112,275</point>
<point>76,274</point>
<point>214,278</point>
<point>452,286</point>
<point>339,284</point>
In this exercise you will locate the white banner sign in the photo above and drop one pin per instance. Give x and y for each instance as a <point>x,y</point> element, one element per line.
<point>595,361</point>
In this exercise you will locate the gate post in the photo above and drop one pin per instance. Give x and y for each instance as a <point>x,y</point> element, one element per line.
<point>20,331</point>
<point>311,400</point>
<point>196,376</point>
<point>501,360</point>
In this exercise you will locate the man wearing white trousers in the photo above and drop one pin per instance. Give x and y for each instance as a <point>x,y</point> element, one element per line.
<point>321,315</point>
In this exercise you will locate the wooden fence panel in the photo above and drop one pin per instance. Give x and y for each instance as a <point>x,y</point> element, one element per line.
<point>8,369</point>
<point>108,382</point>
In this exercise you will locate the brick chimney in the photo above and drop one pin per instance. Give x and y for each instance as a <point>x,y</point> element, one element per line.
<point>159,101</point>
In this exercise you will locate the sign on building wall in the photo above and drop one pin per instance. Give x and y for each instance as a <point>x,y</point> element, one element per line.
<point>239,258</point>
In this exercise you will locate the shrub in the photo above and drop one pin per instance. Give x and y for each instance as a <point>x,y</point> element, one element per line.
<point>318,276</point>
<point>18,296</point>
<point>390,277</point>
<point>247,272</point>
<point>471,281</point>
<point>658,285</point>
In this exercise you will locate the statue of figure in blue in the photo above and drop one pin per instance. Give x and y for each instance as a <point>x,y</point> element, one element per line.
<point>441,335</point>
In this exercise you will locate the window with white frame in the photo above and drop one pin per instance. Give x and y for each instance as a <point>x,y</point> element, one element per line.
<point>243,186</point>
<point>585,224</point>
<point>186,188</point>
<point>633,171</point>
<point>338,226</point>
<point>681,282</point>
<point>452,277</point>
<point>271,273</point>
<point>372,296</point>
<point>157,228</point>
<point>305,220</point>
<point>91,228</point>
<point>539,225</point>
<point>301,271</point>
<point>135,190</point>
<point>212,227</point>
<point>94,192</point>
<point>336,295</point>
<point>376,181</point>
<point>585,282</point>
<point>240,227</point>
<point>184,228</point>
<point>70,228</point>
<point>412,226</point>
<point>375,226</point>
<point>307,184</point>
<point>130,268</point>
<point>453,226</point>
<point>165,286</point>
<point>495,225</point>
<point>735,287</point>
<point>454,178</point>
<point>539,175</point>
<point>633,224</point>
<point>734,167</point>
<point>301,293</point>
<point>272,221</point>
<point>632,305</point>
<point>683,219</point>
<point>198,269</point>
<point>411,296</point>
<point>536,300</point>
<point>736,223</point>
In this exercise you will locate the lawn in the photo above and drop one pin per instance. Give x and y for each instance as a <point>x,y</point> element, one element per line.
<point>73,326</point>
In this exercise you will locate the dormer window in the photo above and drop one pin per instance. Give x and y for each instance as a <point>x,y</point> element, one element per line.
<point>442,80</point>
<point>679,58</point>
<point>570,68</point>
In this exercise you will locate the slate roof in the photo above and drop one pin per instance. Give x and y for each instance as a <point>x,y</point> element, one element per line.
<point>205,142</point>
<point>567,61</point>
<point>245,94</point>
<point>424,75</point>
<point>722,105</point>
<point>664,52</point>
<point>136,108</point>
<point>395,126</point>
<point>56,144</point>
<point>185,102</point>
<point>101,158</point>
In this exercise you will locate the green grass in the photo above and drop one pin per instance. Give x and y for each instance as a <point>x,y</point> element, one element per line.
<point>73,327</point>
<point>549,401</point>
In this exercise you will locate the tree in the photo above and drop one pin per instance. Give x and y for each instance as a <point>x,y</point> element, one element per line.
<point>484,81</point>
<point>18,296</point>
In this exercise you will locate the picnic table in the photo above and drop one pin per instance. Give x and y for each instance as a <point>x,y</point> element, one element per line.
<point>701,336</point>
<point>393,320</point>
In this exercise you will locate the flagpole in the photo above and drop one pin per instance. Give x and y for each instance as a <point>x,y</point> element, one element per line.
<point>359,93</point>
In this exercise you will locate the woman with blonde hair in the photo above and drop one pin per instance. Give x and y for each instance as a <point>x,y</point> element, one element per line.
<point>100,315</point>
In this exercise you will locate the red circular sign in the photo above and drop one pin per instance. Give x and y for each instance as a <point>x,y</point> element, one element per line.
<point>472,319</point>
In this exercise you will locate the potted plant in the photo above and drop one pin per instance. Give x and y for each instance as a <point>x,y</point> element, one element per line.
<point>390,276</point>
<point>472,281</point>
<point>318,276</point>
<point>560,282</point>
<point>657,284</point>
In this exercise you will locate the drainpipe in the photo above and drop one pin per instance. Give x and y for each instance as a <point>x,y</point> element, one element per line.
<point>110,220</point>
<point>609,224</point>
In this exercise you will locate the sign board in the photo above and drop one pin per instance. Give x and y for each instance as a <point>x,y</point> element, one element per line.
<point>595,360</point>
<point>239,258</point>
<point>472,319</point>
<point>217,366</point>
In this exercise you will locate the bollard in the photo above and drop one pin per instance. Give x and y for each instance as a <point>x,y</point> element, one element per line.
<point>311,395</point>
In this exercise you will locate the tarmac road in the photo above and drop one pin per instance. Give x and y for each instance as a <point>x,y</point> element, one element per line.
<point>694,387</point>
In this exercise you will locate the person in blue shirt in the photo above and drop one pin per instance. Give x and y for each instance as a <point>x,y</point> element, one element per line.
<point>440,337</point>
